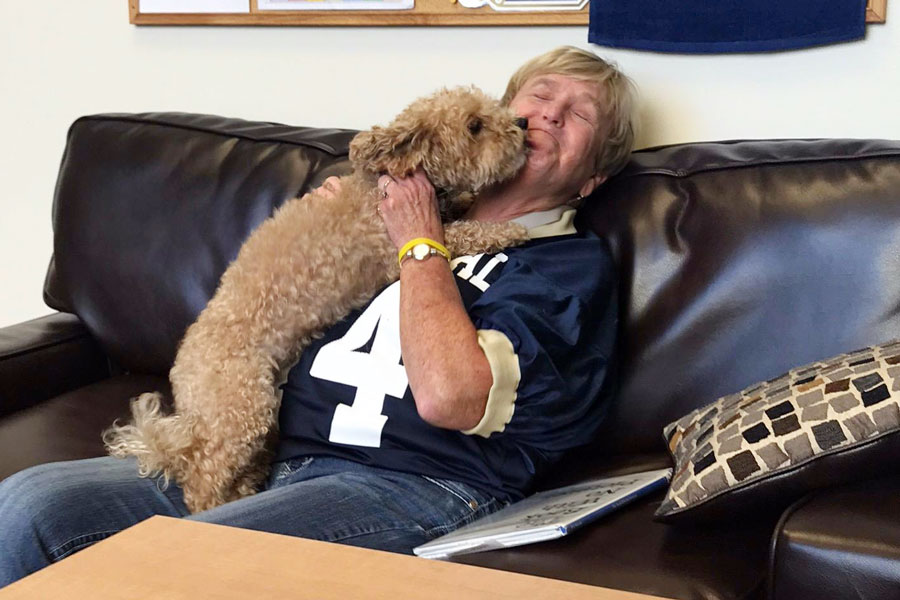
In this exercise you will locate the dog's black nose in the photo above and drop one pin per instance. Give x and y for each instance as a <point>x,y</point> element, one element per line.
<point>522,123</point>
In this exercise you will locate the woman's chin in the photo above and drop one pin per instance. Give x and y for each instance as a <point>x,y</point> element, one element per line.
<point>535,168</point>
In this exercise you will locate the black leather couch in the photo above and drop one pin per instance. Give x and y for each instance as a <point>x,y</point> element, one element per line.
<point>738,260</point>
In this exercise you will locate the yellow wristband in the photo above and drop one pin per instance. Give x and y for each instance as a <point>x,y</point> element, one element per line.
<point>428,242</point>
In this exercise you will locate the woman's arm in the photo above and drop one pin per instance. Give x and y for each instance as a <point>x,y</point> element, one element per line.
<point>449,375</point>
<point>448,372</point>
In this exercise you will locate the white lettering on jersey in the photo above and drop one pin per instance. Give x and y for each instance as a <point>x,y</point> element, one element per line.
<point>375,374</point>
<point>468,272</point>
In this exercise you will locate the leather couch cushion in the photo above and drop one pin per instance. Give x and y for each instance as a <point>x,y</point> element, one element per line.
<point>840,543</point>
<point>150,209</point>
<point>627,550</point>
<point>741,260</point>
<point>68,426</point>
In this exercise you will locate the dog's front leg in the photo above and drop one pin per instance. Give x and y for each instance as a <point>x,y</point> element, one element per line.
<point>465,238</point>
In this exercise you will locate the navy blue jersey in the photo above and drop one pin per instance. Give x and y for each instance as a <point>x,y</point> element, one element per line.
<point>552,305</point>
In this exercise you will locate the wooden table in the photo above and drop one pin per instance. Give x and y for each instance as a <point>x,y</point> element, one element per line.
<point>165,558</point>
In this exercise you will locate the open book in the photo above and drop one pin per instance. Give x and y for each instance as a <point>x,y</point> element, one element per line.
<point>546,515</point>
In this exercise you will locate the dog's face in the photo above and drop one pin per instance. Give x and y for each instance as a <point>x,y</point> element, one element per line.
<point>462,138</point>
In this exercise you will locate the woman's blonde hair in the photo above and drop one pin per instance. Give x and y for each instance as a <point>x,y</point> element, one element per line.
<point>616,127</point>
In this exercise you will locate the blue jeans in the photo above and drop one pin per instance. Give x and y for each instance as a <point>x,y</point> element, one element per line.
<point>51,511</point>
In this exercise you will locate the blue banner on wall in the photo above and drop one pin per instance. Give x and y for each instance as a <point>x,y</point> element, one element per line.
<point>707,26</point>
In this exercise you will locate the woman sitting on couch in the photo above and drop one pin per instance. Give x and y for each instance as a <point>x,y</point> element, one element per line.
<point>506,364</point>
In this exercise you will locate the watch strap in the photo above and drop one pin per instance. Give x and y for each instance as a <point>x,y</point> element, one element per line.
<point>406,250</point>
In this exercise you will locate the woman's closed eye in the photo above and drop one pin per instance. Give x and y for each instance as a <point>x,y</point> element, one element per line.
<point>582,114</point>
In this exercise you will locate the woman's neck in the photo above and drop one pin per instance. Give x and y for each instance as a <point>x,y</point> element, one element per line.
<point>509,201</point>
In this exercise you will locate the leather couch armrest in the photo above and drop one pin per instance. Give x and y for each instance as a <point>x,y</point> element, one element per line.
<point>45,357</point>
<point>843,542</point>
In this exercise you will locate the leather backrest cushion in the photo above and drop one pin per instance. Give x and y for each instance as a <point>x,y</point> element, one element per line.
<point>741,260</point>
<point>150,209</point>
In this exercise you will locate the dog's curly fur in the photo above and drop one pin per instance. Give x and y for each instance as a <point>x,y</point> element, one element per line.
<point>301,270</point>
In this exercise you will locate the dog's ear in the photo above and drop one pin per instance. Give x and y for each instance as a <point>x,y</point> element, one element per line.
<point>369,148</point>
<point>388,150</point>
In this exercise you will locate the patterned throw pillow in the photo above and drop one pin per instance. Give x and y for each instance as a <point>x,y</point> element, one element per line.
<point>825,423</point>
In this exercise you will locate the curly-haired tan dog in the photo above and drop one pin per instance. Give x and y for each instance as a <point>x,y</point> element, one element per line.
<point>300,271</point>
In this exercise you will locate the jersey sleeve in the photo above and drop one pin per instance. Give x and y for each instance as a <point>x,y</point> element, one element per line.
<point>547,327</point>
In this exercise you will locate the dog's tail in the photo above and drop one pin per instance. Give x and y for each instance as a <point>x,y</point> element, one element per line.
<point>155,439</point>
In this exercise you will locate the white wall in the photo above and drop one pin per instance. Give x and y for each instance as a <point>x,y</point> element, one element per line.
<point>61,60</point>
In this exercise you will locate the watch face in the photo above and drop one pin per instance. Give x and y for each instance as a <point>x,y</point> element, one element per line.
<point>421,251</point>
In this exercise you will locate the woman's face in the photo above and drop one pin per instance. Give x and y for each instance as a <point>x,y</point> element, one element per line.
<point>562,123</point>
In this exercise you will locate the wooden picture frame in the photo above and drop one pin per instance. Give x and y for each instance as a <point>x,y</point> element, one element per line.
<point>876,11</point>
<point>426,12</point>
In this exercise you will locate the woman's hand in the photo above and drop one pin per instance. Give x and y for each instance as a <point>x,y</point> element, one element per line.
<point>409,208</point>
<point>330,188</point>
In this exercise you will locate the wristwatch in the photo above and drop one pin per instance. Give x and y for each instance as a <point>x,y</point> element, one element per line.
<point>421,252</point>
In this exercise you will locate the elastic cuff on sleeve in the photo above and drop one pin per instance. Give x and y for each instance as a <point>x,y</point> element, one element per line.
<point>501,403</point>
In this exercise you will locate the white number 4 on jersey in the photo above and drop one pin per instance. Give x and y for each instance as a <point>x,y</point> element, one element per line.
<point>375,374</point>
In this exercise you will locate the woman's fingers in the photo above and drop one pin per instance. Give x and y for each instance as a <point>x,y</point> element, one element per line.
<point>408,208</point>
<point>330,188</point>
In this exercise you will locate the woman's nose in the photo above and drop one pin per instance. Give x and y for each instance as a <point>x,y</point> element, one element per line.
<point>553,113</point>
